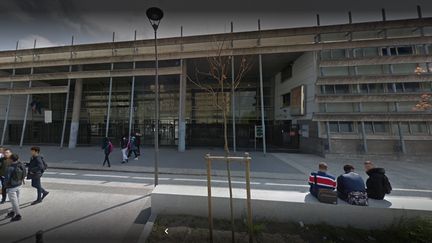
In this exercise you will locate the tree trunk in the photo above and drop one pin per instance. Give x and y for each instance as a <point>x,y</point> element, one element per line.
<point>225,111</point>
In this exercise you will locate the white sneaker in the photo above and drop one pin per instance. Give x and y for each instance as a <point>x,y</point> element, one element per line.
<point>136,158</point>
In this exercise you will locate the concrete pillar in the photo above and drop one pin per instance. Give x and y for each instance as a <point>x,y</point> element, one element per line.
<point>182,108</point>
<point>76,110</point>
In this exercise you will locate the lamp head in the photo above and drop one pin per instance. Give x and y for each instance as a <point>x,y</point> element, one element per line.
<point>154,15</point>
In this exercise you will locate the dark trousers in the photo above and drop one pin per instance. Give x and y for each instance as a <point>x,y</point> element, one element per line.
<point>3,190</point>
<point>36,183</point>
<point>106,160</point>
<point>136,153</point>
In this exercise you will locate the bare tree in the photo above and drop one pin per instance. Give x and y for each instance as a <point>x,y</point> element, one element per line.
<point>218,84</point>
<point>425,103</point>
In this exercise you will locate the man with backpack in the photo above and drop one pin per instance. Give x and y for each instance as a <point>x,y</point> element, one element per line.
<point>377,184</point>
<point>351,187</point>
<point>322,185</point>
<point>36,168</point>
<point>133,147</point>
<point>14,178</point>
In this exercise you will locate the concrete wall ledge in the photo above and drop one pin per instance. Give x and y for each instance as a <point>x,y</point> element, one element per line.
<point>286,206</point>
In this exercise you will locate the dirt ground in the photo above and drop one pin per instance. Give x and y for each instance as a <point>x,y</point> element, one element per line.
<point>195,229</point>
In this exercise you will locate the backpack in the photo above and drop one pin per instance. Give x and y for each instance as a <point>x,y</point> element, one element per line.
<point>358,198</point>
<point>110,147</point>
<point>18,175</point>
<point>326,195</point>
<point>44,164</point>
<point>387,186</point>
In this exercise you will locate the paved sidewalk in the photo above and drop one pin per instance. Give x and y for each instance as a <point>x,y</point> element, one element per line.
<point>190,162</point>
<point>407,174</point>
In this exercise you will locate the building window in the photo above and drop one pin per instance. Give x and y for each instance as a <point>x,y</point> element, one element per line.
<point>334,128</point>
<point>418,128</point>
<point>375,107</point>
<point>369,70</point>
<point>334,71</point>
<point>346,127</point>
<point>397,51</point>
<point>342,89</point>
<point>412,87</point>
<point>286,99</point>
<point>286,73</point>
<point>341,127</point>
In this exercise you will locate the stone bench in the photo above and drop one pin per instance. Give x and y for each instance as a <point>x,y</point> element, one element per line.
<point>286,206</point>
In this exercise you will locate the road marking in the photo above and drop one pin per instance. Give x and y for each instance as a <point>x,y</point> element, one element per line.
<point>411,190</point>
<point>188,179</point>
<point>149,178</point>
<point>111,176</point>
<point>64,173</point>
<point>50,173</point>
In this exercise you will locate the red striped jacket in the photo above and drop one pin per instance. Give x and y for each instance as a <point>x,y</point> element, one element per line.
<point>323,180</point>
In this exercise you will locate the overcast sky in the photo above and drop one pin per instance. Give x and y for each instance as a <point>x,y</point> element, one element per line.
<point>53,22</point>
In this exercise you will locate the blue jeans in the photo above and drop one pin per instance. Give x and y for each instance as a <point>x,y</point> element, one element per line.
<point>36,183</point>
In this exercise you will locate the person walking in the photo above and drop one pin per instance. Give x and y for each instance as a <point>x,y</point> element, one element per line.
<point>124,148</point>
<point>107,146</point>
<point>351,187</point>
<point>138,142</point>
<point>14,178</point>
<point>36,168</point>
<point>133,147</point>
<point>377,185</point>
<point>5,162</point>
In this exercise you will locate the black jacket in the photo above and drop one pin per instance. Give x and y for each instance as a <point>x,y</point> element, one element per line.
<point>35,167</point>
<point>377,184</point>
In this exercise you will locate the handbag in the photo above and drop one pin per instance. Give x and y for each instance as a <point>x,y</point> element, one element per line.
<point>326,195</point>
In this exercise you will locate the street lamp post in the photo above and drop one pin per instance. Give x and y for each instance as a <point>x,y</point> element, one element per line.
<point>155,15</point>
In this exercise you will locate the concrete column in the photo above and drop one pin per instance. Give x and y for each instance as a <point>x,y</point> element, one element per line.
<point>182,108</point>
<point>76,110</point>
<point>328,137</point>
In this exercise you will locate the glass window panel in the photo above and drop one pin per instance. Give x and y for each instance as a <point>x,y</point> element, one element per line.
<point>399,87</point>
<point>405,32</point>
<point>368,127</point>
<point>371,52</point>
<point>346,127</point>
<point>390,88</point>
<point>405,68</point>
<point>340,107</point>
<point>376,88</point>
<point>334,71</point>
<point>369,70</point>
<point>338,53</point>
<point>418,127</point>
<point>364,88</point>
<point>331,37</point>
<point>334,128</point>
<point>404,50</point>
<point>375,107</point>
<point>412,87</point>
<point>325,54</point>
<point>381,127</point>
<point>420,49</point>
<point>406,106</point>
<point>364,35</point>
<point>342,89</point>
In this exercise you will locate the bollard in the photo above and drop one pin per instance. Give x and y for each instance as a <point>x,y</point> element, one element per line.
<point>39,236</point>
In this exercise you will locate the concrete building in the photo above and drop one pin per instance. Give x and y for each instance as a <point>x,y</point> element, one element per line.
<point>347,88</point>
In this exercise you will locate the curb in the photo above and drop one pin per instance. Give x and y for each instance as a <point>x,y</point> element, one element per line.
<point>148,227</point>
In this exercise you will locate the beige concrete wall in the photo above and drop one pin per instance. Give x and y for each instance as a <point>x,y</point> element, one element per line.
<point>303,73</point>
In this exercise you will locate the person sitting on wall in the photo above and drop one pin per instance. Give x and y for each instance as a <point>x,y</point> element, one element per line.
<point>377,184</point>
<point>321,180</point>
<point>351,187</point>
